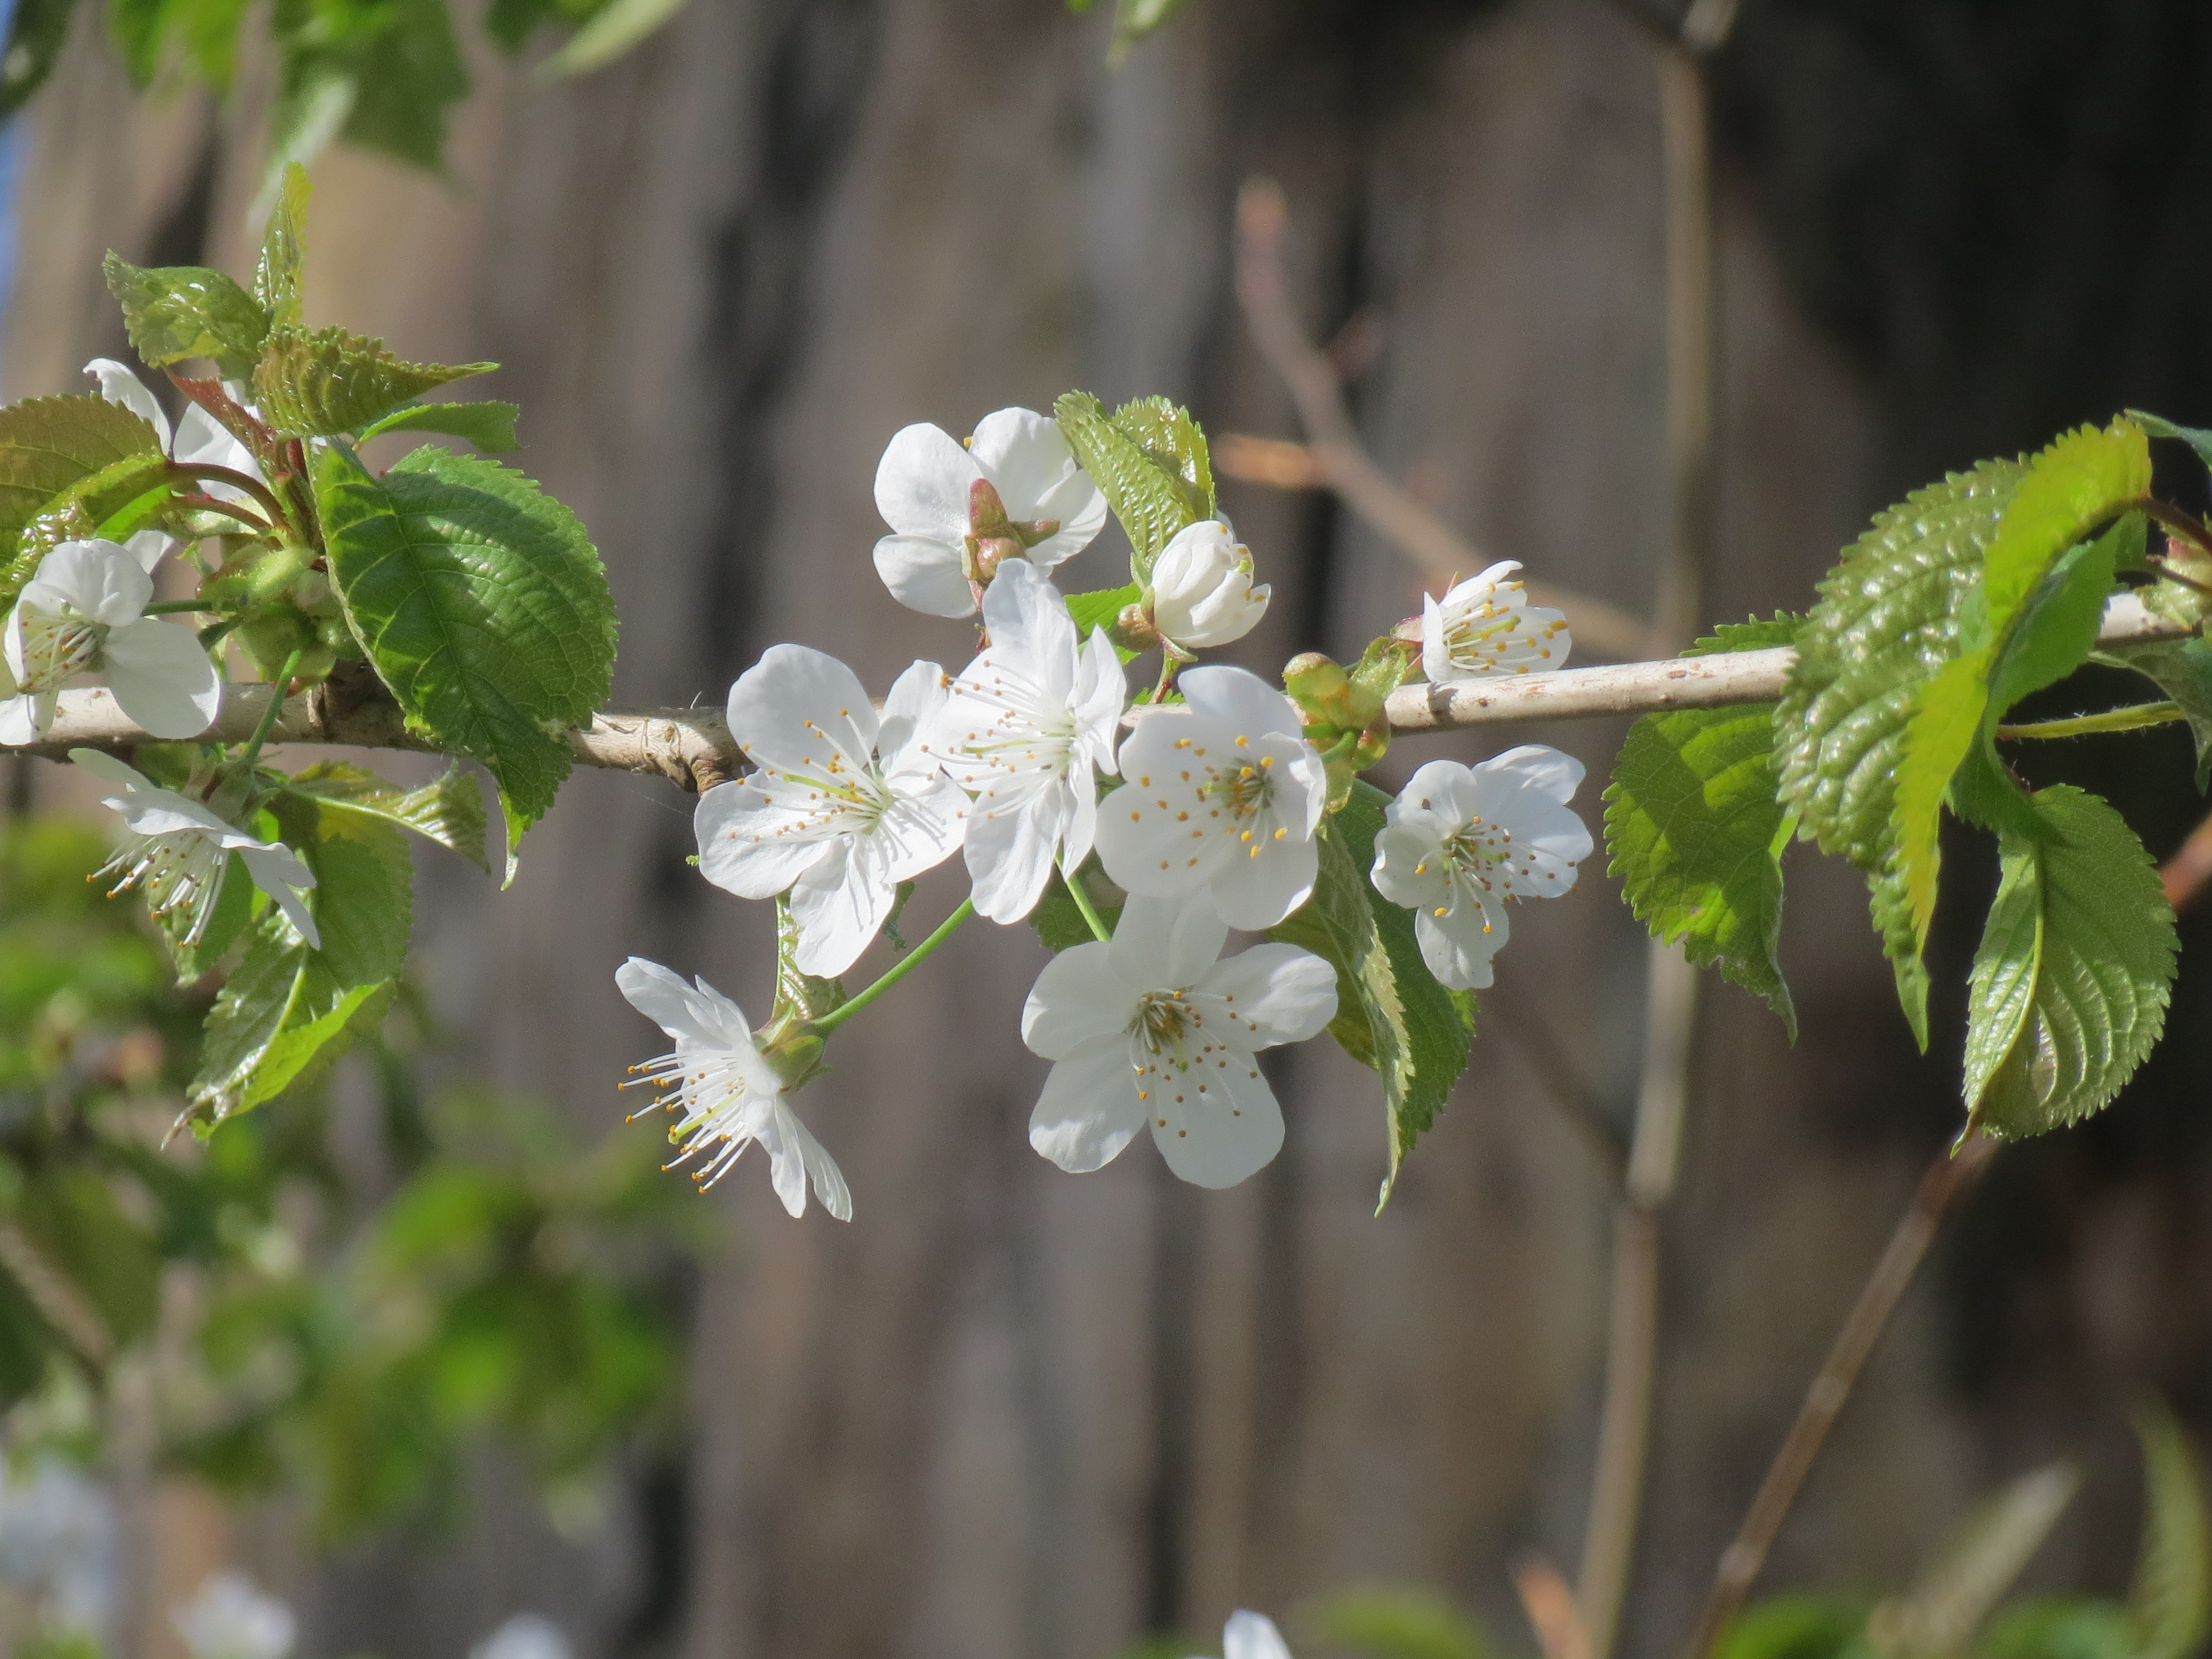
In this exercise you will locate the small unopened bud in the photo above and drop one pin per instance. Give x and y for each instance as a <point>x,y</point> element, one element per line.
<point>794,1056</point>
<point>1202,589</point>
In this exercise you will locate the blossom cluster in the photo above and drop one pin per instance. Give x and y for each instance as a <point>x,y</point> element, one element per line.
<point>1203,803</point>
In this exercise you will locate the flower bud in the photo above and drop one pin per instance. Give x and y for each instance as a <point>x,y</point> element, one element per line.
<point>1202,591</point>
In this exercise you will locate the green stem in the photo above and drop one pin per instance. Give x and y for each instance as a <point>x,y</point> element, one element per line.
<point>2130,719</point>
<point>1077,892</point>
<point>237,480</point>
<point>268,722</point>
<point>898,970</point>
<point>176,607</point>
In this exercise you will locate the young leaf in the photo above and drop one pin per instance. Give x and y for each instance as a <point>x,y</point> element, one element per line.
<point>2084,479</point>
<point>1695,832</point>
<point>322,384</point>
<point>2159,427</point>
<point>172,312</point>
<point>47,443</point>
<point>278,276</point>
<point>2182,669</point>
<point>286,1010</point>
<point>488,425</point>
<point>449,810</point>
<point>2069,986</point>
<point>1172,442</point>
<point>1391,1012</point>
<point>2169,1612</point>
<point>1152,503</point>
<point>483,605</point>
<point>1099,609</point>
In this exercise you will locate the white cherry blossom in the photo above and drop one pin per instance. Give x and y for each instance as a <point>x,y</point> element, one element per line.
<point>1153,1029</point>
<point>1025,724</point>
<point>1486,625</point>
<point>1202,591</point>
<point>939,496</point>
<point>177,850</point>
<point>843,807</point>
<point>728,1094</point>
<point>1251,1636</point>
<point>1460,843</point>
<point>229,1619</point>
<point>83,613</point>
<point>1219,792</point>
<point>197,437</point>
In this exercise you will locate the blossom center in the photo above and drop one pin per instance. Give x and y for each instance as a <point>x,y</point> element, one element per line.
<point>56,646</point>
<point>182,871</point>
<point>1161,1022</point>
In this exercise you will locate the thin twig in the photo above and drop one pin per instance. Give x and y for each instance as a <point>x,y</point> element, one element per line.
<point>1950,1175</point>
<point>1341,461</point>
<point>2185,874</point>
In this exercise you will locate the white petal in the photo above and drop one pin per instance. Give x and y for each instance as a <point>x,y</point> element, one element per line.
<point>96,579</point>
<point>119,385</point>
<point>800,710</point>
<point>277,871</point>
<point>1241,698</point>
<point>1410,867</point>
<point>163,677</point>
<point>1251,1636</point>
<point>814,1163</point>
<point>747,842</point>
<point>1536,768</point>
<point>920,830</point>
<point>149,548</point>
<point>924,574</point>
<point>696,1013</point>
<point>922,485</point>
<point>1435,661</point>
<point>1270,993</point>
<point>1080,827</point>
<point>1028,620</point>
<point>1009,857</point>
<point>1256,893</point>
<point>1165,945</point>
<point>1456,946</point>
<point>25,718</point>
<point>1078,999</point>
<point>839,903</point>
<point>913,702</point>
<point>1036,474</point>
<point>1221,1123</point>
<point>109,770</point>
<point>1101,693</point>
<point>1089,1110</point>
<point>203,439</point>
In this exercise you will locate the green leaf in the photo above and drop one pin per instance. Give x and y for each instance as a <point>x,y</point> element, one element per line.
<point>39,30</point>
<point>278,278</point>
<point>2071,488</point>
<point>1392,1621</point>
<point>322,384</point>
<point>1795,1628</point>
<point>1976,1566</point>
<point>1151,502</point>
<point>2169,1612</point>
<point>1696,835</point>
<point>287,1011</point>
<point>483,605</point>
<point>1101,609</point>
<point>47,443</point>
<point>1059,921</point>
<point>1391,1012</point>
<point>172,312</point>
<point>2069,988</point>
<point>2182,669</point>
<point>449,810</point>
<point>488,425</point>
<point>409,75</point>
<point>611,30</point>
<point>1887,623</point>
<point>1172,442</point>
<point>2159,427</point>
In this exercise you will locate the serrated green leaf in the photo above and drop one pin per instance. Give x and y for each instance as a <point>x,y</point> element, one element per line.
<point>328,382</point>
<point>483,605</point>
<point>2182,669</point>
<point>2069,988</point>
<point>1391,1012</point>
<point>2070,488</point>
<point>2159,427</point>
<point>449,810</point>
<point>1394,1621</point>
<point>1152,503</point>
<point>1100,609</point>
<point>1696,835</point>
<point>488,425</point>
<point>172,312</point>
<point>610,31</point>
<point>1172,442</point>
<point>36,35</point>
<point>2169,1611</point>
<point>287,1010</point>
<point>1975,1566</point>
<point>47,443</point>
<point>278,276</point>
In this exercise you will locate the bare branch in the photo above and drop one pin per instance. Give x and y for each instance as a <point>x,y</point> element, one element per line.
<point>1336,455</point>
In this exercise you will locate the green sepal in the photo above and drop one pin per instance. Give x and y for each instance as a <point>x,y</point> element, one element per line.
<point>1342,709</point>
<point>287,1010</point>
<point>280,273</point>
<point>488,425</point>
<point>1695,832</point>
<point>1392,1014</point>
<point>449,810</point>
<point>1152,501</point>
<point>483,605</point>
<point>328,382</point>
<point>2069,986</point>
<point>172,312</point>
